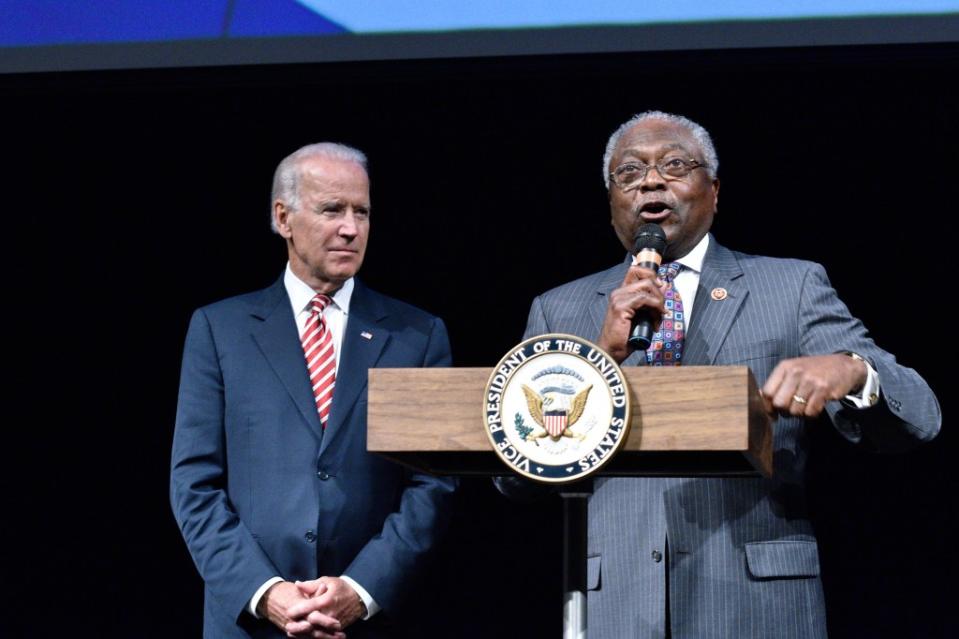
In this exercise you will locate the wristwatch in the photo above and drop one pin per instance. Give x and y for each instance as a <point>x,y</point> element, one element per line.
<point>873,397</point>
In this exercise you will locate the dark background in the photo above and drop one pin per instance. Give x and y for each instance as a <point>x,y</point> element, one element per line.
<point>133,197</point>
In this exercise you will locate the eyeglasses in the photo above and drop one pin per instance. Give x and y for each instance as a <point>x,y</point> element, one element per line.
<point>628,176</point>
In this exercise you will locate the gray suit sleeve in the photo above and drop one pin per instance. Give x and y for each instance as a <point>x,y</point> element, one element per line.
<point>536,322</point>
<point>908,411</point>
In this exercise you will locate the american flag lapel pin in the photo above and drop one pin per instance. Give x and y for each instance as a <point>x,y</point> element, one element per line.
<point>366,335</point>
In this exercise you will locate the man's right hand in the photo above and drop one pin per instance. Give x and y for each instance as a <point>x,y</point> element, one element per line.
<point>276,602</point>
<point>641,289</point>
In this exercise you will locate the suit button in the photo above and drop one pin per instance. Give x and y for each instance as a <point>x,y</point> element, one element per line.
<point>310,536</point>
<point>657,556</point>
<point>323,475</point>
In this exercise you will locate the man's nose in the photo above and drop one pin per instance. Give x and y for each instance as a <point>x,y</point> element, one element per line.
<point>348,226</point>
<point>652,181</point>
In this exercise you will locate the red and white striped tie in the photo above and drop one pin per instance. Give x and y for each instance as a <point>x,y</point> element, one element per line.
<point>320,357</point>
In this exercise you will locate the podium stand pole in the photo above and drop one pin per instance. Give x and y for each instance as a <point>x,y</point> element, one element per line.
<point>575,534</point>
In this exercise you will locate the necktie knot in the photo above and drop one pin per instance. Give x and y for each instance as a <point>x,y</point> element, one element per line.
<point>669,271</point>
<point>319,303</point>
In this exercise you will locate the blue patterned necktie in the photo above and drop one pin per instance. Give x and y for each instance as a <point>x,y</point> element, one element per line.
<point>666,348</point>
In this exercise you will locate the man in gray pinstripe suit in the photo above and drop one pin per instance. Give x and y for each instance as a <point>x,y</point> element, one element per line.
<point>737,558</point>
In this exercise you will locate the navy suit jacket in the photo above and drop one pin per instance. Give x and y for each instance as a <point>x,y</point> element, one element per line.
<point>260,490</point>
<point>742,558</point>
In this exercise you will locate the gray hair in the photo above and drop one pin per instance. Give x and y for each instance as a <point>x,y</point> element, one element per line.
<point>699,134</point>
<point>287,174</point>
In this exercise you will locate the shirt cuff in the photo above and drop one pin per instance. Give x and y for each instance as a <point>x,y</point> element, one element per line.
<point>255,599</point>
<point>869,395</point>
<point>371,606</point>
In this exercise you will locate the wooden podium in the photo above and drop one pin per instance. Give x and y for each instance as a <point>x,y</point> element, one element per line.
<point>685,421</point>
<point>693,421</point>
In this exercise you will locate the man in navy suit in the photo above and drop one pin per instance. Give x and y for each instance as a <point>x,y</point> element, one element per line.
<point>694,558</point>
<point>293,526</point>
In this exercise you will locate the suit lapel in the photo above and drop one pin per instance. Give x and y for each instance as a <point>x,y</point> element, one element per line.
<point>363,342</point>
<point>279,341</point>
<point>711,318</point>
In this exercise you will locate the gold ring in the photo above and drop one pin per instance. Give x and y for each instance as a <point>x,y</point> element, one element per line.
<point>799,400</point>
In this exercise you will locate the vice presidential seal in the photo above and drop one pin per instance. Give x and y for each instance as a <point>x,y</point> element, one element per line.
<point>556,408</point>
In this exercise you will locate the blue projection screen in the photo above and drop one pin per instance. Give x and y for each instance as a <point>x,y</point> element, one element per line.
<point>60,35</point>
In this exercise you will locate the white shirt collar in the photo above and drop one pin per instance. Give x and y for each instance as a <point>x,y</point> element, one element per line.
<point>301,293</point>
<point>694,259</point>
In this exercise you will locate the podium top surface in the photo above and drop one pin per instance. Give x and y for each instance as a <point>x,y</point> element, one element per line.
<point>695,419</point>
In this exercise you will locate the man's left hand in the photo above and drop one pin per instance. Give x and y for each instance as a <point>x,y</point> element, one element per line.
<point>326,596</point>
<point>803,385</point>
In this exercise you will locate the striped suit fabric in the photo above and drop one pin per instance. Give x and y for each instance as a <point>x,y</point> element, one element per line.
<point>741,554</point>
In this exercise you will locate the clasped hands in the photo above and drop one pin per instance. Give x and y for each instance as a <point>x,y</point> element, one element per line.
<point>317,609</point>
<point>800,386</point>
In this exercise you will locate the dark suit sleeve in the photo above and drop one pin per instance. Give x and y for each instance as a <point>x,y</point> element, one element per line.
<point>908,411</point>
<point>389,560</point>
<point>228,558</point>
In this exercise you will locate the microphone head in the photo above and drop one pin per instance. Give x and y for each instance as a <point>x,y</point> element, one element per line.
<point>650,236</point>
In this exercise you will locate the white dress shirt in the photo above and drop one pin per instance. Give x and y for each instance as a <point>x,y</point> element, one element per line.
<point>335,315</point>
<point>687,282</point>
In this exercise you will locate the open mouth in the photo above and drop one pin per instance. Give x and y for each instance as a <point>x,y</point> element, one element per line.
<point>654,210</point>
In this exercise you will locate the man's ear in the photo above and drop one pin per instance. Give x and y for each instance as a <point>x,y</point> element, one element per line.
<point>281,215</point>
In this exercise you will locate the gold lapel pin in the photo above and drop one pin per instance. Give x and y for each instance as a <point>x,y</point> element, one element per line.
<point>719,294</point>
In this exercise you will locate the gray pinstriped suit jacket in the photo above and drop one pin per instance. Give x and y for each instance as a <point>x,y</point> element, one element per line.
<point>742,558</point>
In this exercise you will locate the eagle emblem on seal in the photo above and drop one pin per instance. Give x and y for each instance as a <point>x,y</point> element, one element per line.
<point>555,413</point>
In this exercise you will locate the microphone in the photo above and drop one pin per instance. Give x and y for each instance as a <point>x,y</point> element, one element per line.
<point>648,248</point>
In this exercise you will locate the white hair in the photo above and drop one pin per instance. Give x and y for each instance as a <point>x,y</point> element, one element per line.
<point>287,174</point>
<point>699,134</point>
